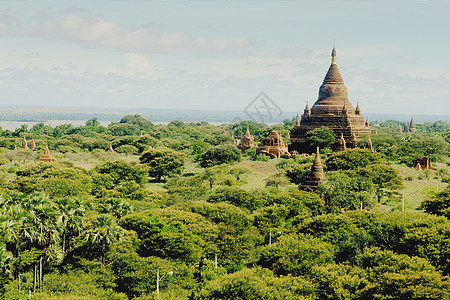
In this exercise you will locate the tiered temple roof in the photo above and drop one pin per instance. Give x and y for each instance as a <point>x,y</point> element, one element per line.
<point>332,109</point>
<point>274,146</point>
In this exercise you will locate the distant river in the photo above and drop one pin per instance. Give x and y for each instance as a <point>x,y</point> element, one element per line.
<point>13,125</point>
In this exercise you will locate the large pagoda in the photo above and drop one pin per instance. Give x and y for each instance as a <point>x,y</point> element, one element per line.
<point>332,109</point>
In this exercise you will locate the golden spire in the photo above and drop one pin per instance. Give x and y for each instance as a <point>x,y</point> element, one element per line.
<point>297,120</point>
<point>333,56</point>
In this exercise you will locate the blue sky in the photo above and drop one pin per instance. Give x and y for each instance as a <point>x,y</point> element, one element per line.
<point>219,55</point>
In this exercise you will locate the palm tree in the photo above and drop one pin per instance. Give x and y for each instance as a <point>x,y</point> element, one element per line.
<point>70,219</point>
<point>104,231</point>
<point>116,207</point>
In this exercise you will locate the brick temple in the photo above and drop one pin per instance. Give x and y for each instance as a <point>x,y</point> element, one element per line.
<point>332,109</point>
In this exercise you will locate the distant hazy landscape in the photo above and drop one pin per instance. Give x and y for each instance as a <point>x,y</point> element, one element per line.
<point>13,117</point>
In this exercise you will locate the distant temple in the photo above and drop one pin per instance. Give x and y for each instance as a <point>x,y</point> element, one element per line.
<point>315,177</point>
<point>409,128</point>
<point>412,125</point>
<point>274,146</point>
<point>422,163</point>
<point>46,157</point>
<point>247,141</point>
<point>333,110</point>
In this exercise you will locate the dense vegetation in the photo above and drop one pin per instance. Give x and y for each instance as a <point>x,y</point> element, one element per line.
<point>173,198</point>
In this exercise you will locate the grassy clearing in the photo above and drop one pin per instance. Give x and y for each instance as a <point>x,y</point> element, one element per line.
<point>417,187</point>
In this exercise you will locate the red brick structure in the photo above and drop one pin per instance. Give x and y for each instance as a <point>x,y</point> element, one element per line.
<point>274,146</point>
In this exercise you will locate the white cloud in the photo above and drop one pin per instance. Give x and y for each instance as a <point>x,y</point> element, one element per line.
<point>97,32</point>
<point>137,63</point>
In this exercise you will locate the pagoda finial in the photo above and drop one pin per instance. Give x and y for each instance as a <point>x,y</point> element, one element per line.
<point>247,132</point>
<point>297,120</point>
<point>307,111</point>
<point>357,110</point>
<point>367,122</point>
<point>333,56</point>
<point>344,109</point>
<point>317,158</point>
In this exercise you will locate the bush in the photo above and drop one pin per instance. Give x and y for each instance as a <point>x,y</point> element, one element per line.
<point>222,154</point>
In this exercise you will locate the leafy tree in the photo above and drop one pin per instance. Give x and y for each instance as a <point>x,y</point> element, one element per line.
<point>121,171</point>
<point>383,176</point>
<point>299,202</point>
<point>401,276</point>
<point>296,255</point>
<point>93,122</point>
<point>438,205</point>
<point>161,239</point>
<point>218,174</point>
<point>222,154</point>
<point>138,120</point>
<point>198,146</point>
<point>127,149</point>
<point>123,129</point>
<point>236,238</point>
<point>162,162</point>
<point>346,191</point>
<point>136,276</point>
<point>277,180</point>
<point>20,155</point>
<point>256,283</point>
<point>55,179</point>
<point>352,159</point>
<point>235,196</point>
<point>298,173</point>
<point>322,137</point>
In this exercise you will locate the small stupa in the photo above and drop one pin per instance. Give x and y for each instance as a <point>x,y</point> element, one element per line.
<point>316,176</point>
<point>247,141</point>
<point>369,144</point>
<point>342,143</point>
<point>32,144</point>
<point>406,130</point>
<point>46,157</point>
<point>110,149</point>
<point>24,143</point>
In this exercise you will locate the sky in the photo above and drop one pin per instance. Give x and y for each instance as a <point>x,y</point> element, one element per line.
<point>220,55</point>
